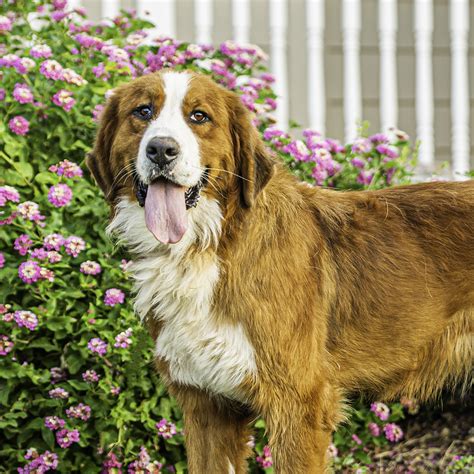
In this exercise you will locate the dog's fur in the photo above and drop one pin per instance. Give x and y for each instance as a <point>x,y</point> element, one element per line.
<point>282,298</point>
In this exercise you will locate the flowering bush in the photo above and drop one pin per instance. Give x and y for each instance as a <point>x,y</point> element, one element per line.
<point>77,388</point>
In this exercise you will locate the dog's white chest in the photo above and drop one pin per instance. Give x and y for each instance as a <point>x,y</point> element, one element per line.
<point>177,289</point>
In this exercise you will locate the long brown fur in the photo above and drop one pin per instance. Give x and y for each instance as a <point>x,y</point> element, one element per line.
<point>338,292</point>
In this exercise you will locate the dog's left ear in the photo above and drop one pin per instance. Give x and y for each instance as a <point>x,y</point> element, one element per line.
<point>254,164</point>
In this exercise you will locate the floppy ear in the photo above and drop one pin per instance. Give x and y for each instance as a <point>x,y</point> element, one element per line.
<point>254,164</point>
<point>99,160</point>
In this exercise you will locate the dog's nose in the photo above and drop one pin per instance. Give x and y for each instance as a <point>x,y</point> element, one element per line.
<point>162,150</point>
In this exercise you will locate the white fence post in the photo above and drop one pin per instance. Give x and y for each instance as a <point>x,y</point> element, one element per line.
<point>315,22</point>
<point>459,26</point>
<point>424,82</point>
<point>203,20</point>
<point>388,64</point>
<point>241,21</point>
<point>278,31</point>
<point>351,24</point>
<point>110,8</point>
<point>162,13</point>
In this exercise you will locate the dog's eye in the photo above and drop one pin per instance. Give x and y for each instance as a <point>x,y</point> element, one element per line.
<point>199,117</point>
<point>144,112</point>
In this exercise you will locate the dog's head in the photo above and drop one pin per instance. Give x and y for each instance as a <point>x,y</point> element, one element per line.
<point>166,138</point>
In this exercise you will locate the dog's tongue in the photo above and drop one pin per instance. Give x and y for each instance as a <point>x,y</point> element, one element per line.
<point>165,211</point>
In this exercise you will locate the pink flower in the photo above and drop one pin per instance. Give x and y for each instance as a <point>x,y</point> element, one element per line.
<point>98,109</point>
<point>265,460</point>
<point>90,376</point>
<point>39,254</point>
<point>51,69</point>
<point>165,429</point>
<point>123,339</point>
<point>19,125</point>
<point>361,145</point>
<point>22,244</point>
<point>41,51</point>
<point>90,268</point>
<point>98,346</point>
<point>74,245</point>
<point>58,393</point>
<point>29,271</point>
<point>2,260</point>
<point>80,411</point>
<point>64,99</point>
<point>393,432</point>
<point>29,210</point>
<point>144,464</point>
<point>365,177</point>
<point>332,451</point>
<point>22,94</point>
<point>66,437</point>
<point>72,77</point>
<point>54,257</point>
<point>54,423</point>
<point>8,193</point>
<point>67,168</point>
<point>381,410</point>
<point>6,345</point>
<point>112,465</point>
<point>358,162</point>
<point>60,195</point>
<point>388,150</point>
<point>5,23</point>
<point>53,242</point>
<point>26,319</point>
<point>57,374</point>
<point>356,439</point>
<point>114,296</point>
<point>374,429</point>
<point>115,391</point>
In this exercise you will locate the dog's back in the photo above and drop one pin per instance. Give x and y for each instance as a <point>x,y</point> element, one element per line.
<point>402,316</point>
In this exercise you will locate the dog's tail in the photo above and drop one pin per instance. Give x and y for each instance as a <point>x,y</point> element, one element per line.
<point>446,363</point>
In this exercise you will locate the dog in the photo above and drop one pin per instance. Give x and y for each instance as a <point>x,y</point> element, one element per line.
<point>268,297</point>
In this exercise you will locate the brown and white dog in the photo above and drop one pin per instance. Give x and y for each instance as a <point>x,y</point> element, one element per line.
<point>271,298</point>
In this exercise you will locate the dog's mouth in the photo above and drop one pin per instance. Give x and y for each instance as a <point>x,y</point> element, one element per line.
<point>166,203</point>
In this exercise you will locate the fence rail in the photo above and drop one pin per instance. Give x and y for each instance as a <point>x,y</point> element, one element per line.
<point>165,14</point>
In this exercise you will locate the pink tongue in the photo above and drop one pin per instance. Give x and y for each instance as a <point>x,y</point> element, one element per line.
<point>165,211</point>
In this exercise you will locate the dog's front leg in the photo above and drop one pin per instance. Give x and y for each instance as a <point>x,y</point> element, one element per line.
<point>216,435</point>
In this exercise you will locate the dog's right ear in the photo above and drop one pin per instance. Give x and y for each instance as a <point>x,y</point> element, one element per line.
<point>99,159</point>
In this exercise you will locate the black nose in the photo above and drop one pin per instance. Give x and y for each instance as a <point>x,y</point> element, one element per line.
<point>162,150</point>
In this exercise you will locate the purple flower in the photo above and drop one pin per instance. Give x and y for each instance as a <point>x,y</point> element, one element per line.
<point>90,376</point>
<point>29,271</point>
<point>90,268</point>
<point>29,210</point>
<point>74,245</point>
<point>66,168</point>
<point>123,339</point>
<point>64,99</point>
<point>58,15</point>
<point>362,145</point>
<point>19,125</point>
<point>58,393</point>
<point>111,464</point>
<point>165,428</point>
<point>60,195</point>
<point>114,296</point>
<point>2,260</point>
<point>358,162</point>
<point>5,23</point>
<point>6,345</point>
<point>379,138</point>
<point>115,391</point>
<point>53,242</point>
<point>356,439</point>
<point>8,193</point>
<point>98,346</point>
<point>59,4</point>
<point>66,437</point>
<point>26,319</point>
<point>57,374</point>
<point>388,150</point>
<point>144,464</point>
<point>100,72</point>
<point>22,93</point>
<point>22,244</point>
<point>39,254</point>
<point>298,150</point>
<point>54,257</point>
<point>40,463</point>
<point>393,432</point>
<point>51,69</point>
<point>41,51</point>
<point>381,410</point>
<point>54,423</point>
<point>80,411</point>
<point>365,177</point>
<point>98,109</point>
<point>265,460</point>
<point>374,429</point>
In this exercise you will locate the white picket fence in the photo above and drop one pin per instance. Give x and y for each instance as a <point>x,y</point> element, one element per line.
<point>166,11</point>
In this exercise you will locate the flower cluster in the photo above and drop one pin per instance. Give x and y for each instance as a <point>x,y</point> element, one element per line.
<point>47,461</point>
<point>98,346</point>
<point>165,428</point>
<point>123,339</point>
<point>265,460</point>
<point>144,464</point>
<point>80,411</point>
<point>66,437</point>
<point>114,296</point>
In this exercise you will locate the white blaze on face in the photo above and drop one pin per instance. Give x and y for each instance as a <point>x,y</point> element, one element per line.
<point>165,209</point>
<point>172,123</point>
